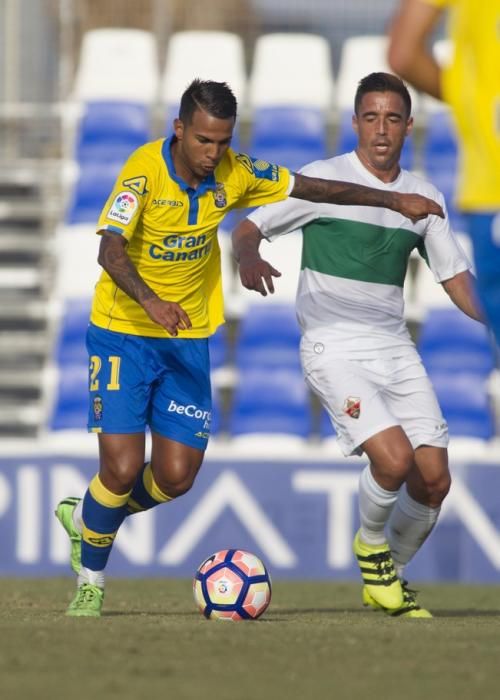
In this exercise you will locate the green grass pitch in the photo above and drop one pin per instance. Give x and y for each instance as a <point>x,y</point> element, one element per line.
<point>314,642</point>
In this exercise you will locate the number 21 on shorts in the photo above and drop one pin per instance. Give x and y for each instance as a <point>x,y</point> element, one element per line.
<point>113,365</point>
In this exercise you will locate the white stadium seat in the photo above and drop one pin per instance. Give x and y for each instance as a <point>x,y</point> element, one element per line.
<point>291,69</point>
<point>209,55</point>
<point>117,64</point>
<point>360,56</point>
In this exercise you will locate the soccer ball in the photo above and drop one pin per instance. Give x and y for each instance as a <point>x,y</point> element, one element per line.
<point>232,585</point>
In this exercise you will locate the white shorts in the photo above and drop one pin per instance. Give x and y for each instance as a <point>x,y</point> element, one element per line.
<point>364,397</point>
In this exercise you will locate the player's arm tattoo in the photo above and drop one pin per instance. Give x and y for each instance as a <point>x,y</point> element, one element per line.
<point>316,189</point>
<point>114,259</point>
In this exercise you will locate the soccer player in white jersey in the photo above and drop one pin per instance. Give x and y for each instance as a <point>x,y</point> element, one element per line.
<point>356,352</point>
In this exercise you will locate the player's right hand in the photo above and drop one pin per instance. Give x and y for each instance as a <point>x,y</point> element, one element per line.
<point>168,314</point>
<point>416,206</point>
<point>257,274</point>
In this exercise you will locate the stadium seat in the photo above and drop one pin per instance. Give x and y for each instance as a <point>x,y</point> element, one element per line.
<point>360,56</point>
<point>117,65</point>
<point>70,346</point>
<point>268,338</point>
<point>91,191</point>
<point>71,398</point>
<point>465,404</point>
<point>451,342</point>
<point>219,348</point>
<point>290,136</point>
<point>271,401</point>
<point>291,69</point>
<point>110,131</point>
<point>209,55</point>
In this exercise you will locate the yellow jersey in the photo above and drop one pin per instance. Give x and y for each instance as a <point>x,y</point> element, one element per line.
<point>171,229</point>
<point>471,86</point>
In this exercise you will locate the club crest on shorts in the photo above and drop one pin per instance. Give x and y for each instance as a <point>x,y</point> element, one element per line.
<point>97,405</point>
<point>352,406</point>
<point>220,196</point>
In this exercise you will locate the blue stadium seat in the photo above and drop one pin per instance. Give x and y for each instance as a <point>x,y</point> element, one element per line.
<point>271,401</point>
<point>219,348</point>
<point>70,348</point>
<point>440,155</point>
<point>451,342</point>
<point>71,402</point>
<point>290,136</point>
<point>92,189</point>
<point>465,404</point>
<point>268,338</point>
<point>111,131</point>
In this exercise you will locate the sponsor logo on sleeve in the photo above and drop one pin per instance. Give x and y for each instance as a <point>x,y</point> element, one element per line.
<point>124,207</point>
<point>137,184</point>
<point>259,168</point>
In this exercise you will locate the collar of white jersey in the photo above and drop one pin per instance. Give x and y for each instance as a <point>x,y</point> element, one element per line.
<point>373,179</point>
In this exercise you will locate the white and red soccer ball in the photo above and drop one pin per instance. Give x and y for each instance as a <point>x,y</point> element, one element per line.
<point>232,585</point>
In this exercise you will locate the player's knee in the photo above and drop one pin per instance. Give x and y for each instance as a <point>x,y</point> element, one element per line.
<point>399,462</point>
<point>119,476</point>
<point>437,489</point>
<point>432,490</point>
<point>176,479</point>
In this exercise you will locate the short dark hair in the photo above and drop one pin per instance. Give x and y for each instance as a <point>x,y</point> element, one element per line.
<point>215,98</point>
<point>382,82</point>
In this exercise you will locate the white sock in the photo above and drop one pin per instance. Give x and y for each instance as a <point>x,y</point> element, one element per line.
<point>77,516</point>
<point>96,578</point>
<point>375,505</point>
<point>409,526</point>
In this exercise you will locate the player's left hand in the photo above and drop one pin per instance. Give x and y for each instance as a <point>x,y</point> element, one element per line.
<point>416,206</point>
<point>257,274</point>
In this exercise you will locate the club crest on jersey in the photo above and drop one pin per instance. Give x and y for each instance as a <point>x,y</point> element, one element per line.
<point>220,196</point>
<point>124,206</point>
<point>97,406</point>
<point>352,406</point>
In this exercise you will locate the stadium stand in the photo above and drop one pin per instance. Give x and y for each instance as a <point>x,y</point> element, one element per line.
<point>274,402</point>
<point>268,339</point>
<point>451,342</point>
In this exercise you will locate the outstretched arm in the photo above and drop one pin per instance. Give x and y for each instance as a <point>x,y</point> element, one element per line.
<point>114,259</point>
<point>461,290</point>
<point>408,52</point>
<point>412,206</point>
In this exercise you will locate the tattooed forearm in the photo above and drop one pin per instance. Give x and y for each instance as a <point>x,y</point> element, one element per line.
<point>114,259</point>
<point>337,192</point>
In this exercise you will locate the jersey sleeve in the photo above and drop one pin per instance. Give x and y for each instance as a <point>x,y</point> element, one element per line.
<point>444,254</point>
<point>130,194</point>
<point>274,220</point>
<point>260,182</point>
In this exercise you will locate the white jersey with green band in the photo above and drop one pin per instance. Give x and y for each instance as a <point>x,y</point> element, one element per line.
<point>354,260</point>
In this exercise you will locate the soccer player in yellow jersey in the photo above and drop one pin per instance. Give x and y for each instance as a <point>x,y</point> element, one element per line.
<point>155,305</point>
<point>471,86</point>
